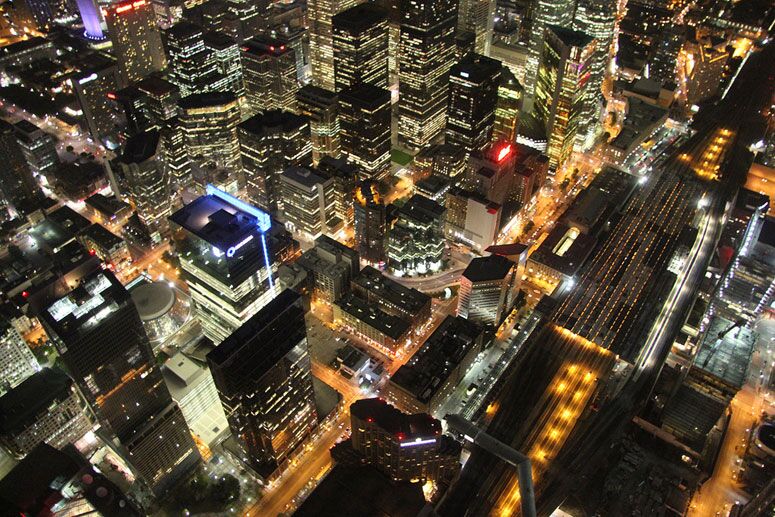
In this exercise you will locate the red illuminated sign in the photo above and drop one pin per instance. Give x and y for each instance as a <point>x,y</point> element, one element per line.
<point>128,7</point>
<point>504,152</point>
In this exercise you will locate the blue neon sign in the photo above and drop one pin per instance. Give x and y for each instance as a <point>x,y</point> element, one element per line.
<point>264,220</point>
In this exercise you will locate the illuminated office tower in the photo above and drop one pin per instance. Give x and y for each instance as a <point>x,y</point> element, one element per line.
<point>426,53</point>
<point>596,18</point>
<point>226,52</point>
<point>308,201</point>
<point>136,39</point>
<point>264,378</point>
<point>176,157</point>
<point>321,108</point>
<point>477,17</point>
<point>702,69</point>
<point>562,89</point>
<point>246,17</point>
<point>321,35</point>
<point>473,95</point>
<point>345,176</point>
<point>360,46</point>
<point>92,86</point>
<point>270,142</point>
<point>38,147</point>
<point>90,16</point>
<point>16,360</point>
<point>148,181</point>
<point>161,99</point>
<point>663,55</point>
<point>101,340</point>
<point>269,73</point>
<point>209,122</point>
<point>365,113</point>
<point>192,66</point>
<point>370,223</point>
<point>488,288</point>
<point>17,184</point>
<point>227,259</point>
<point>507,108</point>
<point>545,13</point>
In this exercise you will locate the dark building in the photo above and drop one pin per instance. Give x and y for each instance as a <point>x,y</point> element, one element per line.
<point>360,46</point>
<point>270,142</point>
<point>404,446</point>
<point>99,336</point>
<point>38,147</point>
<point>49,479</point>
<point>16,181</point>
<point>263,375</point>
<point>370,223</point>
<point>365,112</point>
<point>321,107</point>
<point>392,297</point>
<point>473,96</point>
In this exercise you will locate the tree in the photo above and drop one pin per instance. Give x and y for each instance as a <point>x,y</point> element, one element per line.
<point>226,489</point>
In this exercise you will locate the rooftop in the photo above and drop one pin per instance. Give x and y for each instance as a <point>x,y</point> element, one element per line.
<point>565,250</point>
<point>141,147</point>
<point>362,490</point>
<point>221,220</point>
<point>207,100</point>
<point>476,68</point>
<point>103,237</point>
<point>394,421</point>
<point>303,177</point>
<point>408,299</point>
<point>726,357</point>
<point>360,17</point>
<point>486,269</point>
<point>20,407</point>
<point>152,299</point>
<point>423,209</point>
<point>392,326</point>
<point>443,351</point>
<point>365,95</point>
<point>570,37</point>
<point>272,121</point>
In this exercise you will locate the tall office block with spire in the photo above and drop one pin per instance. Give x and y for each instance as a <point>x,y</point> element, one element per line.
<point>427,52</point>
<point>562,89</point>
<point>136,39</point>
<point>99,336</point>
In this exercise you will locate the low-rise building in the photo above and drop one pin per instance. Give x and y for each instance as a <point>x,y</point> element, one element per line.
<point>386,332</point>
<point>416,240</point>
<point>642,120</point>
<point>471,219</point>
<point>192,387</point>
<point>108,246</point>
<point>44,408</point>
<point>392,297</point>
<point>332,266</point>
<point>430,376</point>
<point>560,256</point>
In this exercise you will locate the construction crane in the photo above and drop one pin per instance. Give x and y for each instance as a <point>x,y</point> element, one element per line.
<point>720,337</point>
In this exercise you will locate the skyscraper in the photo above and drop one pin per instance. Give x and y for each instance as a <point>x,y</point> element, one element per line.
<point>136,39</point>
<point>319,14</point>
<point>17,185</point>
<point>226,53</point>
<point>209,122</point>
<point>596,18</point>
<point>321,108</point>
<point>307,200</point>
<point>562,89</point>
<point>476,17</point>
<point>426,53</point>
<point>269,143</point>
<point>263,375</point>
<point>227,260</point>
<point>360,46</point>
<point>142,165</point>
<point>365,112</point>
<point>38,147</point>
<point>473,96</point>
<point>507,109</point>
<point>488,288</point>
<point>192,66</point>
<point>91,86</point>
<point>269,72</point>
<point>370,223</point>
<point>545,13</point>
<point>99,336</point>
